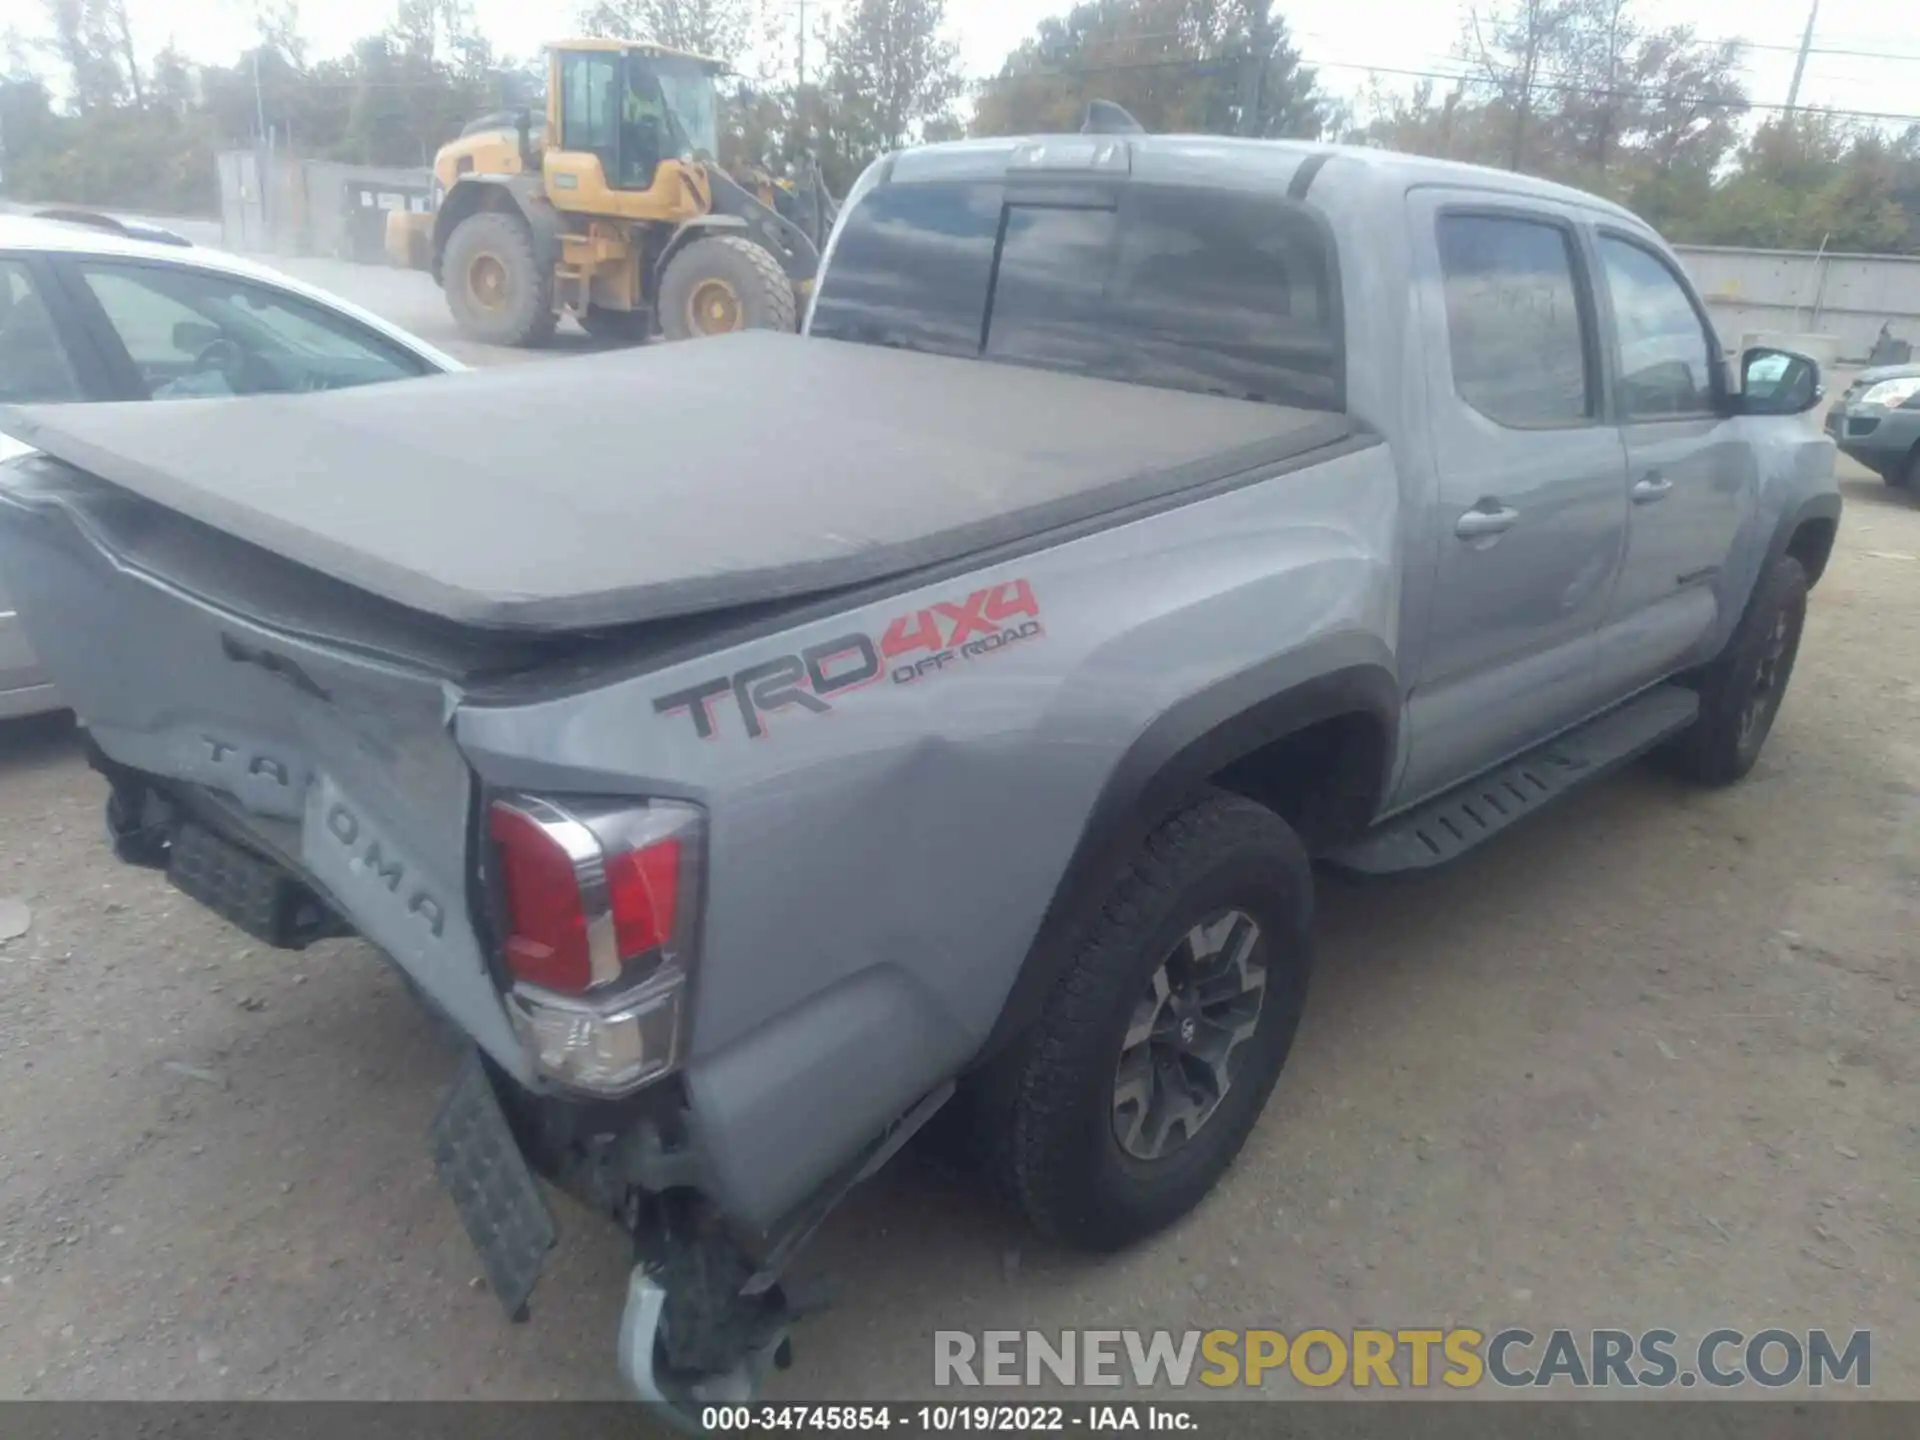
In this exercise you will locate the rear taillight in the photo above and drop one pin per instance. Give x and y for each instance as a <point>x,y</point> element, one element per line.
<point>596,905</point>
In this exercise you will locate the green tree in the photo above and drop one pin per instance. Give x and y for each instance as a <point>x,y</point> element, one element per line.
<point>706,27</point>
<point>1583,91</point>
<point>85,40</point>
<point>889,72</point>
<point>1224,66</point>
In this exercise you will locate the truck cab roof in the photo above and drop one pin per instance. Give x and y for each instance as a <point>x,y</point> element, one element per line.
<point>1230,162</point>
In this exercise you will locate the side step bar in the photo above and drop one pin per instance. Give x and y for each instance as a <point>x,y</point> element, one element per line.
<point>1449,825</point>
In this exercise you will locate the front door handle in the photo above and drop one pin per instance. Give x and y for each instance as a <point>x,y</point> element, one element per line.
<point>1489,517</point>
<point>1653,487</point>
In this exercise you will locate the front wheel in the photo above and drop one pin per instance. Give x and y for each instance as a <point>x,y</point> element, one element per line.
<point>1125,1102</point>
<point>722,284</point>
<point>1741,691</point>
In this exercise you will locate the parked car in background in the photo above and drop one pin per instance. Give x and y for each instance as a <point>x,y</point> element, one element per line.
<point>95,310</point>
<point>1877,422</point>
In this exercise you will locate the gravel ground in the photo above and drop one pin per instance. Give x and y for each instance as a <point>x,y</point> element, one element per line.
<point>1650,1063</point>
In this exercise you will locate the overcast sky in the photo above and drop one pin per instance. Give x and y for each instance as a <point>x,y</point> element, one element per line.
<point>1344,37</point>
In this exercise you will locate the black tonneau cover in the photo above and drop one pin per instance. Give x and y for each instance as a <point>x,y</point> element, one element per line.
<point>612,489</point>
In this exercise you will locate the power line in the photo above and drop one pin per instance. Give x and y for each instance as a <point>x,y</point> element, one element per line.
<point>1224,64</point>
<point>1629,92</point>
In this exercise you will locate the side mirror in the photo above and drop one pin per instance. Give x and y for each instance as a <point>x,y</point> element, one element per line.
<point>1778,382</point>
<point>190,337</point>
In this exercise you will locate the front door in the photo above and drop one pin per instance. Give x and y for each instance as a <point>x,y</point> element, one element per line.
<point>1530,505</point>
<point>1691,478</point>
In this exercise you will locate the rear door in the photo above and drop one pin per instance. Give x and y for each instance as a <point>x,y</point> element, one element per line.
<point>1691,477</point>
<point>1531,511</point>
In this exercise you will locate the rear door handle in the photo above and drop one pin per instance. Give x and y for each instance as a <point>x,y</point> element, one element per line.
<point>1653,487</point>
<point>1489,517</point>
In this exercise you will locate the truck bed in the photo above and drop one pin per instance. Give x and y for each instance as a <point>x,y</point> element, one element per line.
<point>647,484</point>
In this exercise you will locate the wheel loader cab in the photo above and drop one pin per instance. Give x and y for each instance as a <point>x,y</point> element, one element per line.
<point>631,129</point>
<point>619,216</point>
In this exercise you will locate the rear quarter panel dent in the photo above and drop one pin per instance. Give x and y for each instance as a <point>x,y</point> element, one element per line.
<point>927,824</point>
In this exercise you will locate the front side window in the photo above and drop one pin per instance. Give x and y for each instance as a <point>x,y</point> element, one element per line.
<point>193,333</point>
<point>1516,332</point>
<point>33,361</point>
<point>689,93</point>
<point>1665,354</point>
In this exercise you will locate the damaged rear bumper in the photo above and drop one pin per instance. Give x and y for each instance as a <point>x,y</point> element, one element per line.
<point>707,1312</point>
<point>704,1320</point>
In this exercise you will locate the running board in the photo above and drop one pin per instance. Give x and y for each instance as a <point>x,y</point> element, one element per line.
<point>1449,825</point>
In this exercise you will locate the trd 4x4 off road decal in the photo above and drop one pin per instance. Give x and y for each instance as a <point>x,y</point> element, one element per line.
<point>913,647</point>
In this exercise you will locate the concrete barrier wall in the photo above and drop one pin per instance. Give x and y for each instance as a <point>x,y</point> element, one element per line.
<point>1845,297</point>
<point>284,206</point>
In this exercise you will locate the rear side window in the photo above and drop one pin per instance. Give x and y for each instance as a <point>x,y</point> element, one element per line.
<point>1517,331</point>
<point>1180,288</point>
<point>587,117</point>
<point>910,268</point>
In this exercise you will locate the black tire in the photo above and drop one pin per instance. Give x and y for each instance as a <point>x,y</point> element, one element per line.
<point>1906,475</point>
<point>1740,692</point>
<point>520,310</point>
<point>721,284</point>
<point>618,327</point>
<point>1047,1111</point>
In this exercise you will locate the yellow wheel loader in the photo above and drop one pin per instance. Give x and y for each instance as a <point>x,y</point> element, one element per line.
<point>614,211</point>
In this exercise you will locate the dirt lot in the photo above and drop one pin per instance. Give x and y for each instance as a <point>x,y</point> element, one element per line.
<point>1651,1062</point>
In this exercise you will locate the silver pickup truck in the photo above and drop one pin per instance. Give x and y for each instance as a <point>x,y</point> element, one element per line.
<point>1143,520</point>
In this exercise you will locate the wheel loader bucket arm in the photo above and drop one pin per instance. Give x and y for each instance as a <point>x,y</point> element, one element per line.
<point>797,251</point>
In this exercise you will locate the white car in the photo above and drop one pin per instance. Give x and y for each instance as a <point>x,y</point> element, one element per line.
<point>89,312</point>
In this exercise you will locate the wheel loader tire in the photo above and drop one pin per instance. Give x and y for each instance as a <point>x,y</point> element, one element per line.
<point>496,287</point>
<point>722,284</point>
<point>618,327</point>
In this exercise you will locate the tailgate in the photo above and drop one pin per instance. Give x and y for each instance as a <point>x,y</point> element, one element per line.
<point>318,727</point>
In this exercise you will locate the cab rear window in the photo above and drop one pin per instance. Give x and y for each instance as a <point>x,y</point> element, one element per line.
<point>1231,294</point>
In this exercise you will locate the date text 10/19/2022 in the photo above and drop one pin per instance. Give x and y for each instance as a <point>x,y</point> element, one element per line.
<point>978,1419</point>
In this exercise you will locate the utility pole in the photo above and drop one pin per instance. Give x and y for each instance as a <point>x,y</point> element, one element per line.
<point>1800,61</point>
<point>259,100</point>
<point>262,152</point>
<point>803,44</point>
<point>1253,73</point>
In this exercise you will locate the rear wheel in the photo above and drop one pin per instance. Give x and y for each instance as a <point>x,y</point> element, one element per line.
<point>496,287</point>
<point>1125,1102</point>
<point>722,284</point>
